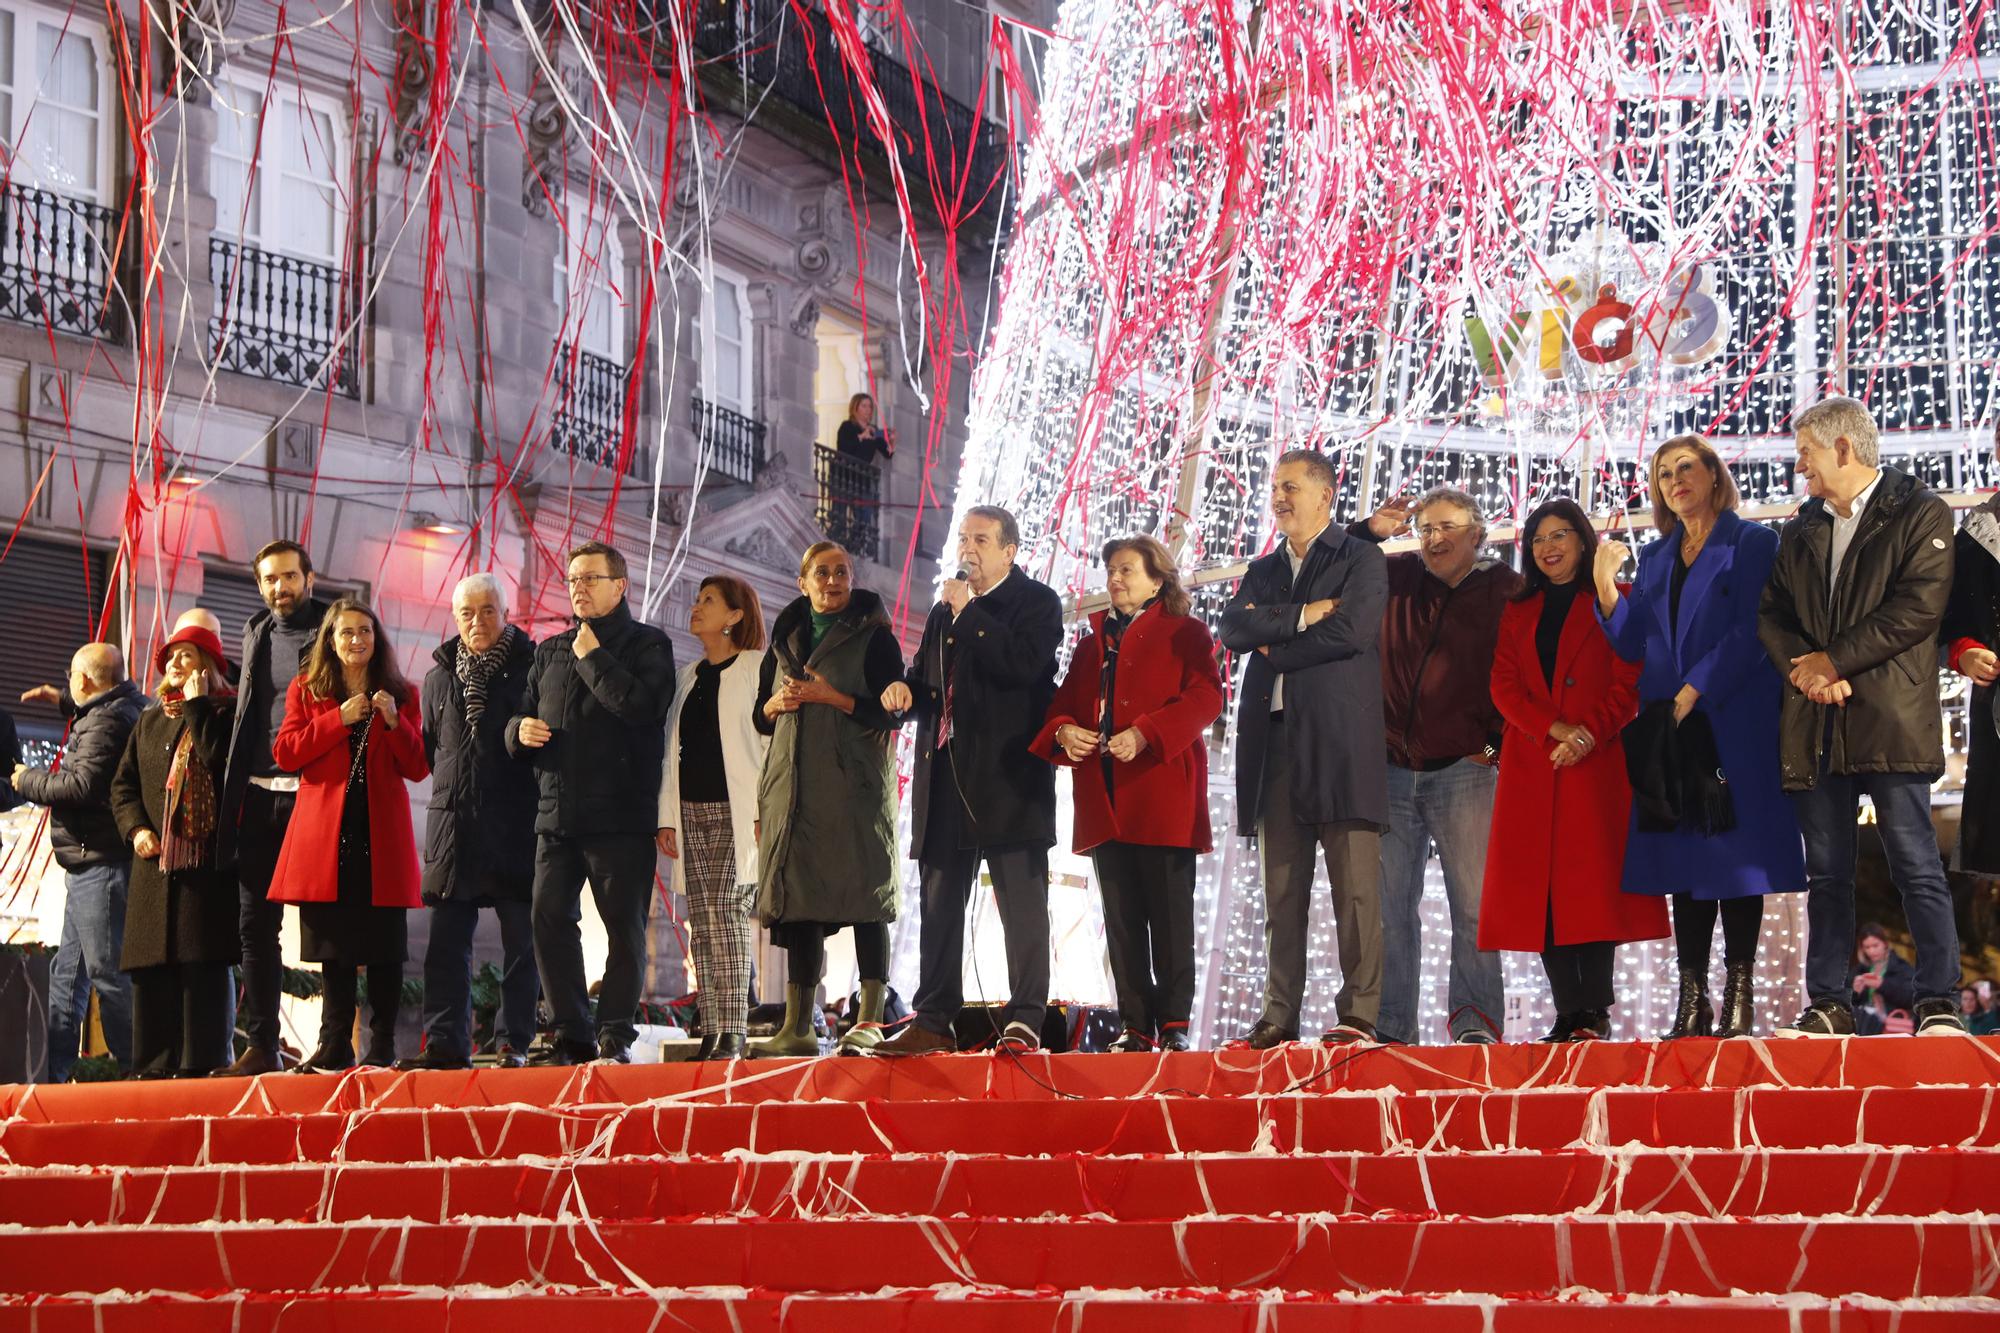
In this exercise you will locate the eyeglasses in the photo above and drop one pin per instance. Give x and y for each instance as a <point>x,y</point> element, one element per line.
<point>585,580</point>
<point>1430,530</point>
<point>1551,538</point>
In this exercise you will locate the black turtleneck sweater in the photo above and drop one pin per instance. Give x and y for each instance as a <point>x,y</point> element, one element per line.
<point>289,640</point>
<point>702,775</point>
<point>1557,598</point>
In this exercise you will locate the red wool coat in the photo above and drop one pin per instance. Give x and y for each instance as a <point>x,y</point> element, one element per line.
<point>1170,689</point>
<point>1559,834</point>
<point>313,743</point>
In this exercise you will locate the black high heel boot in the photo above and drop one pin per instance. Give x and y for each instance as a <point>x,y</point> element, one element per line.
<point>1692,1015</point>
<point>1738,1017</point>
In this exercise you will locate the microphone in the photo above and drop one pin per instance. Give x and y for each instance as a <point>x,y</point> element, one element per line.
<point>962,574</point>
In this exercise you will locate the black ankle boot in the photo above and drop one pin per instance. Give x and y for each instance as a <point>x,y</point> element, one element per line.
<point>1692,1015</point>
<point>1737,1018</point>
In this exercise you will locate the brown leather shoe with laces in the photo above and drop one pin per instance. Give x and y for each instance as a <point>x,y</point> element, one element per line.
<point>914,1039</point>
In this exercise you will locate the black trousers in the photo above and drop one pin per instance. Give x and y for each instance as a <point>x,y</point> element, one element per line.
<point>1579,974</point>
<point>1021,890</point>
<point>805,951</point>
<point>180,1018</point>
<point>620,870</point>
<point>341,1001</point>
<point>1148,897</point>
<point>259,836</point>
<point>448,978</point>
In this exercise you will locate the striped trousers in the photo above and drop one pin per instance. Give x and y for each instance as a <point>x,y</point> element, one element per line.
<point>718,917</point>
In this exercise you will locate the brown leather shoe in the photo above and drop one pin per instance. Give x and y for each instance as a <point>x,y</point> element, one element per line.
<point>914,1040</point>
<point>254,1061</point>
<point>1267,1035</point>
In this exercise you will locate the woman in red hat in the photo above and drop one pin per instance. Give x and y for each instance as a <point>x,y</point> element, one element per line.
<point>180,913</point>
<point>349,860</point>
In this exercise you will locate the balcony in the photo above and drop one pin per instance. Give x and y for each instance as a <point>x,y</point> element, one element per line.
<point>57,267</point>
<point>590,409</point>
<point>764,47</point>
<point>281,318</point>
<point>849,509</point>
<point>735,443</point>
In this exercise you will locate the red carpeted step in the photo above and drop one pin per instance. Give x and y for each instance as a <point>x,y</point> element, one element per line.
<point>1452,1121</point>
<point>1891,1258</point>
<point>1699,1183</point>
<point>536,1311</point>
<point>1868,1062</point>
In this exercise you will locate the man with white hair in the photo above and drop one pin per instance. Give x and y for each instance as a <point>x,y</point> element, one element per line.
<point>102,706</point>
<point>479,843</point>
<point>1850,618</point>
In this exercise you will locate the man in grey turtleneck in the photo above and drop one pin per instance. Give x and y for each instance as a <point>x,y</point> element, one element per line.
<point>257,795</point>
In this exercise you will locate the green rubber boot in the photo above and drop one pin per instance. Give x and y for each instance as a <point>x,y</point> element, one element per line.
<point>866,1033</point>
<point>796,1037</point>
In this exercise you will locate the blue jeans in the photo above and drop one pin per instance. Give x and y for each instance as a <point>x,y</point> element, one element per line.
<point>1903,817</point>
<point>448,978</point>
<point>1451,808</point>
<point>93,935</point>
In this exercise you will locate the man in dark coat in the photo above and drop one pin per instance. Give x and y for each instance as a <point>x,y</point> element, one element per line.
<point>479,836</point>
<point>257,795</point>
<point>979,688</point>
<point>1443,730</point>
<point>1850,619</point>
<point>592,720</point>
<point>102,706</point>
<point>1310,761</point>
<point>10,755</point>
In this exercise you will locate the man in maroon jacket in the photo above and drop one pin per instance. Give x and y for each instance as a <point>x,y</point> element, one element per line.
<point>1438,634</point>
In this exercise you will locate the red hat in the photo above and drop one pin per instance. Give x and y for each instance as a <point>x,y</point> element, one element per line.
<point>201,637</point>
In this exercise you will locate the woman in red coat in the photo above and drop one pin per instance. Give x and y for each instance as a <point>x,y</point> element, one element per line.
<point>1557,850</point>
<point>1132,716</point>
<point>352,734</point>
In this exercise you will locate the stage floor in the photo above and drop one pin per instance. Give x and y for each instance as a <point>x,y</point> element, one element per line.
<point>1742,1184</point>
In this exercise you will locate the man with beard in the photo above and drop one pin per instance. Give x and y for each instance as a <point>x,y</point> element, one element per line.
<point>257,796</point>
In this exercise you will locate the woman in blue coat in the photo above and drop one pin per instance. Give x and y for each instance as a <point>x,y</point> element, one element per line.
<point>1691,619</point>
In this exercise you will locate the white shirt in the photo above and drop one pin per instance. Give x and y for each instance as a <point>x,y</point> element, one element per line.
<point>1843,533</point>
<point>1297,562</point>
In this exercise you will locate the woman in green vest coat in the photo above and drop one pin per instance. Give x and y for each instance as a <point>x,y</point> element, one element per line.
<point>826,807</point>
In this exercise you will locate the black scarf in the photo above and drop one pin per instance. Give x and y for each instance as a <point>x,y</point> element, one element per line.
<point>1677,778</point>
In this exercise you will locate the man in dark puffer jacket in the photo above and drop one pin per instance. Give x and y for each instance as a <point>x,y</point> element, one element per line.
<point>593,722</point>
<point>97,865</point>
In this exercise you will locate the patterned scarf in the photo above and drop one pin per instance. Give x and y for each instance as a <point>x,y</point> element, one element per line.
<point>477,670</point>
<point>190,808</point>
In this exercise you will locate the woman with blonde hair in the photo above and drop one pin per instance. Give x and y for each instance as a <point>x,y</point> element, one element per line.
<point>1691,620</point>
<point>708,802</point>
<point>1131,721</point>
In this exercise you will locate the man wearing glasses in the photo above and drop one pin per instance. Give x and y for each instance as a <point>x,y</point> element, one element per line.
<point>593,723</point>
<point>1443,732</point>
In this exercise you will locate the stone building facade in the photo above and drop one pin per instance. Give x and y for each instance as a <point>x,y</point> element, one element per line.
<point>345,289</point>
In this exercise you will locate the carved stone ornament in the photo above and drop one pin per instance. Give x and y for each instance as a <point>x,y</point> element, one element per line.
<point>816,261</point>
<point>416,73</point>
<point>675,509</point>
<point>760,547</point>
<point>548,134</point>
<point>194,30</point>
<point>777,474</point>
<point>805,317</point>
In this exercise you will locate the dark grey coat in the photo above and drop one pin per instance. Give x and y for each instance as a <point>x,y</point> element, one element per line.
<point>188,916</point>
<point>479,834</point>
<point>82,831</point>
<point>1881,633</point>
<point>826,804</point>
<point>246,733</point>
<point>1333,681</point>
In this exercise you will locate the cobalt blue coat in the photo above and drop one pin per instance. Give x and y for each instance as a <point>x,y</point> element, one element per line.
<point>1716,650</point>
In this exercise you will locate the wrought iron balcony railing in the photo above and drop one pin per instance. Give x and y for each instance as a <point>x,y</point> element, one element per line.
<point>281,318</point>
<point>850,501</point>
<point>735,443</point>
<point>763,43</point>
<point>57,266</point>
<point>590,409</point>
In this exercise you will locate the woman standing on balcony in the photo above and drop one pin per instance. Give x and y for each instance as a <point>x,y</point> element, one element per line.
<point>826,841</point>
<point>859,436</point>
<point>352,734</point>
<point>708,802</point>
